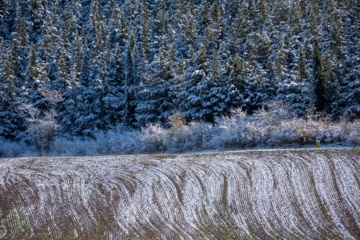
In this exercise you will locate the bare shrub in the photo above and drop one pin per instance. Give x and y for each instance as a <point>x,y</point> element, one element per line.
<point>42,125</point>
<point>266,128</point>
<point>152,138</point>
<point>74,147</point>
<point>176,122</point>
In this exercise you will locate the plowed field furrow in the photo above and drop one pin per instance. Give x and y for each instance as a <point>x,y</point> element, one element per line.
<point>284,194</point>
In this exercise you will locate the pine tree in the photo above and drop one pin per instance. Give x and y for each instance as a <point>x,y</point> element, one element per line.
<point>282,12</point>
<point>8,13</point>
<point>302,63</point>
<point>48,38</point>
<point>145,26</point>
<point>319,80</point>
<point>37,13</point>
<point>351,98</point>
<point>215,11</point>
<point>206,96</point>
<point>202,58</point>
<point>130,88</point>
<point>325,81</point>
<point>123,31</point>
<point>242,88</point>
<point>221,93</point>
<point>114,87</point>
<point>11,122</point>
<point>156,101</point>
<point>37,81</point>
<point>205,21</point>
<point>191,29</point>
<point>69,23</point>
<point>20,49</point>
<point>157,97</point>
<point>263,10</point>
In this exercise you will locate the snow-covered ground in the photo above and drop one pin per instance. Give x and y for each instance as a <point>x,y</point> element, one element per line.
<point>267,194</point>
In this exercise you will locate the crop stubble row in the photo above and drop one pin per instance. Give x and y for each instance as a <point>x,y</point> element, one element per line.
<point>300,194</point>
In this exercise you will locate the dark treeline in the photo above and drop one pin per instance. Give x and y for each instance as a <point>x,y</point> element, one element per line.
<point>74,67</point>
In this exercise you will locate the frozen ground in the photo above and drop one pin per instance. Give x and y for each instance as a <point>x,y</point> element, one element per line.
<point>269,194</point>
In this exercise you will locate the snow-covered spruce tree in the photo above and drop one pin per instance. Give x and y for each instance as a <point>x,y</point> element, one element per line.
<point>47,46</point>
<point>8,9</point>
<point>244,88</point>
<point>221,95</point>
<point>190,103</point>
<point>145,23</point>
<point>76,103</point>
<point>352,97</point>
<point>325,81</point>
<point>350,94</point>
<point>205,95</point>
<point>20,49</point>
<point>89,97</point>
<point>114,94</point>
<point>36,17</point>
<point>294,86</point>
<point>36,81</point>
<point>117,28</point>
<point>156,97</point>
<point>86,104</point>
<point>236,79</point>
<point>215,29</point>
<point>67,80</point>
<point>349,29</point>
<point>11,122</point>
<point>130,88</point>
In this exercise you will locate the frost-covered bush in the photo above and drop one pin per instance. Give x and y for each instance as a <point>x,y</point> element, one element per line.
<point>273,127</point>
<point>42,124</point>
<point>118,140</point>
<point>15,149</point>
<point>152,138</point>
<point>74,147</point>
<point>354,135</point>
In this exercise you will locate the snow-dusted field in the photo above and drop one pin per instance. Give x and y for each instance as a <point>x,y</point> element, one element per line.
<point>286,194</point>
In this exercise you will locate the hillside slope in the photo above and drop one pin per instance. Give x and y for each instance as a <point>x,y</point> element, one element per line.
<point>292,194</point>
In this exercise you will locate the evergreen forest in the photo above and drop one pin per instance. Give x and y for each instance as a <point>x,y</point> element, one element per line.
<point>74,68</point>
